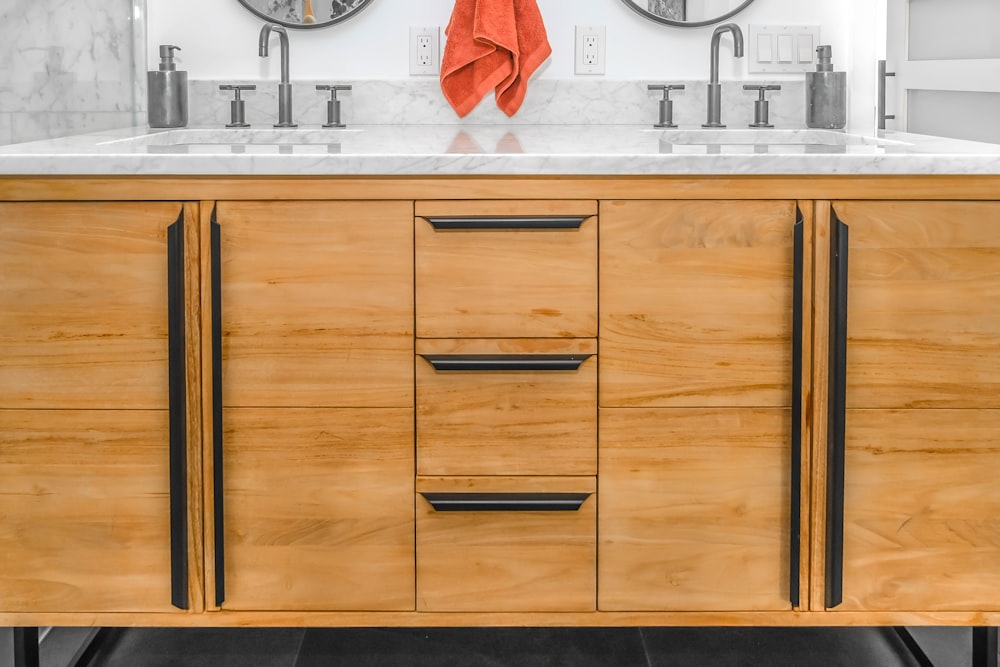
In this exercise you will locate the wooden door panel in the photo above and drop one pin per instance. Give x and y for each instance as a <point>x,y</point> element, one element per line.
<point>924,280</point>
<point>83,292</point>
<point>318,509</point>
<point>506,283</point>
<point>317,303</point>
<point>921,510</point>
<point>85,504</point>
<point>696,303</point>
<point>694,509</point>
<point>507,422</point>
<point>505,561</point>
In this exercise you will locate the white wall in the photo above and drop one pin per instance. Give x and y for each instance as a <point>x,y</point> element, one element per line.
<point>219,39</point>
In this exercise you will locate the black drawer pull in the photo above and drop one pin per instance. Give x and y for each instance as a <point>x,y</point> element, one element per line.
<point>506,362</point>
<point>177,390</point>
<point>506,502</point>
<point>507,222</point>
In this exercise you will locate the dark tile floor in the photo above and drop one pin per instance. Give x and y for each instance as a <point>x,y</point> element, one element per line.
<point>520,647</point>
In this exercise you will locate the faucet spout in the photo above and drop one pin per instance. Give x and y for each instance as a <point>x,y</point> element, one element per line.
<point>714,87</point>
<point>285,85</point>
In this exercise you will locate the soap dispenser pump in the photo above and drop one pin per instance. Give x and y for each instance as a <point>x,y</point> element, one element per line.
<point>826,93</point>
<point>168,104</point>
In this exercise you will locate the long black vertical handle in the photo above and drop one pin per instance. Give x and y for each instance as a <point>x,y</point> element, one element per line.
<point>217,503</point>
<point>836,429</point>
<point>795,541</point>
<point>178,414</point>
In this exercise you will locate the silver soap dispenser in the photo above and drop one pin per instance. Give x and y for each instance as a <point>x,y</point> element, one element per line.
<point>168,94</point>
<point>826,93</point>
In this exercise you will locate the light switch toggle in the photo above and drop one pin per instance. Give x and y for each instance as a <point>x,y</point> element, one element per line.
<point>785,48</point>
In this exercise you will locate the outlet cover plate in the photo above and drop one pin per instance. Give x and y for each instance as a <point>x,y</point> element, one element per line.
<point>591,51</point>
<point>425,50</point>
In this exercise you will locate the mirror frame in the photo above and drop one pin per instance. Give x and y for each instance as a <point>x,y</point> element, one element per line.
<point>305,26</point>
<point>645,13</point>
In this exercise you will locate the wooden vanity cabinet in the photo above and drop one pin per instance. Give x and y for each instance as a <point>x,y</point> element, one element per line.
<point>921,424</point>
<point>94,511</point>
<point>696,385</point>
<point>312,459</point>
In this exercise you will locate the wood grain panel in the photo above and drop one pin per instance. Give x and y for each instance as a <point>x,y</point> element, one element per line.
<point>506,283</point>
<point>317,303</point>
<point>924,280</point>
<point>922,511</point>
<point>507,423</point>
<point>506,561</point>
<point>86,511</point>
<point>694,509</point>
<point>534,186</point>
<point>83,292</point>
<point>696,303</point>
<point>318,509</point>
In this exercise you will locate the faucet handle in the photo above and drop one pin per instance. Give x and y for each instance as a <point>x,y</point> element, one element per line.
<point>760,105</point>
<point>333,104</point>
<point>237,107</point>
<point>666,104</point>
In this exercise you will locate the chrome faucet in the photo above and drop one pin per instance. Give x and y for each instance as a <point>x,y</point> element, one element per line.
<point>714,87</point>
<point>285,86</point>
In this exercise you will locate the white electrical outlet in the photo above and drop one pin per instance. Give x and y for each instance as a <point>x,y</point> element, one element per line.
<point>590,49</point>
<point>425,50</point>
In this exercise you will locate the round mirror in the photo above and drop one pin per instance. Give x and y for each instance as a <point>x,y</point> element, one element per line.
<point>305,13</point>
<point>687,12</point>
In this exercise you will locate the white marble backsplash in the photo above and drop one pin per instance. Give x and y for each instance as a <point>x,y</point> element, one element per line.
<point>548,102</point>
<point>68,66</point>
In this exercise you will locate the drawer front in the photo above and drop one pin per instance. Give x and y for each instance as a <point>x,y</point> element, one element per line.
<point>506,407</point>
<point>490,545</point>
<point>506,269</point>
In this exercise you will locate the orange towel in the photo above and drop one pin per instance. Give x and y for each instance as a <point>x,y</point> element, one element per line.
<point>492,44</point>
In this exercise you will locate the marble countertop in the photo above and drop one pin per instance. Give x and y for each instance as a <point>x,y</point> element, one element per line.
<point>421,150</point>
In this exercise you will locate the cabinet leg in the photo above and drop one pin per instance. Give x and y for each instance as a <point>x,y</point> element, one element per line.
<point>912,646</point>
<point>26,647</point>
<point>984,647</point>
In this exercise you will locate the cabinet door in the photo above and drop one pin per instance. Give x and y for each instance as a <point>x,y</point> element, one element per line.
<point>313,440</point>
<point>696,303</point>
<point>697,452</point>
<point>85,422</point>
<point>922,418</point>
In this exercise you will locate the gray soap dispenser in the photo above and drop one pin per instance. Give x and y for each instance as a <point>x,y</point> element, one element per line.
<point>168,103</point>
<point>826,93</point>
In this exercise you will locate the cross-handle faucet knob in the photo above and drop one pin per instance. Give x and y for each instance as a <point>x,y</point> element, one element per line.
<point>761,104</point>
<point>333,105</point>
<point>237,107</point>
<point>666,104</point>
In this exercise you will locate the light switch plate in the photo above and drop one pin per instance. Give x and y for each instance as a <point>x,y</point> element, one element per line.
<point>782,48</point>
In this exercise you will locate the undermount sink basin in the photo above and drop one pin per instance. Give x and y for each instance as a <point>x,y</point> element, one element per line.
<point>238,136</point>
<point>793,137</point>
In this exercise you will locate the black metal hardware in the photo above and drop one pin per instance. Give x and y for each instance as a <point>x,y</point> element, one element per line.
<point>333,105</point>
<point>217,501</point>
<point>505,362</point>
<point>666,118</point>
<point>507,222</point>
<point>984,647</point>
<point>795,533</point>
<point>506,502</point>
<point>837,413</point>
<point>760,106</point>
<point>237,106</point>
<point>882,116</point>
<point>178,414</point>
<point>26,647</point>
